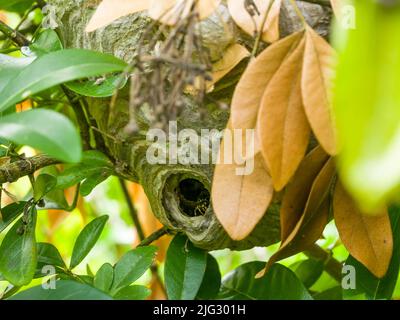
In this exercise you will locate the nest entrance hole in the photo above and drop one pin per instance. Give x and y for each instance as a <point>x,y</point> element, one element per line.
<point>194,198</point>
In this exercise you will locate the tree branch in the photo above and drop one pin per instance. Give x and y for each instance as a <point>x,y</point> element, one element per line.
<point>17,37</point>
<point>332,266</point>
<point>154,236</point>
<point>11,172</point>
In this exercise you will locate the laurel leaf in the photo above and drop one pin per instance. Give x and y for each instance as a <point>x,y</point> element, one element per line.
<point>111,10</point>
<point>316,84</point>
<point>282,124</point>
<point>240,201</point>
<point>368,238</point>
<point>252,25</point>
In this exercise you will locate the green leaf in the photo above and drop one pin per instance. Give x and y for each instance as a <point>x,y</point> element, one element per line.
<point>133,293</point>
<point>366,104</point>
<point>104,277</point>
<point>279,283</point>
<point>10,67</point>
<point>9,5</point>
<point>18,252</point>
<point>44,183</point>
<point>211,282</point>
<point>93,181</point>
<point>48,254</point>
<point>93,163</point>
<point>49,131</point>
<point>184,269</point>
<point>86,240</point>
<point>132,266</point>
<point>56,68</point>
<point>366,282</point>
<point>65,290</point>
<point>10,213</point>
<point>46,42</point>
<point>97,88</point>
<point>334,293</point>
<point>308,271</point>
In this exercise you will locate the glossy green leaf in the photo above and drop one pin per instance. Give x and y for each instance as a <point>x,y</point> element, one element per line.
<point>104,277</point>
<point>65,290</point>
<point>48,131</point>
<point>48,254</point>
<point>93,181</point>
<point>99,88</point>
<point>366,104</point>
<point>308,271</point>
<point>185,266</point>
<point>56,68</point>
<point>87,239</point>
<point>366,282</point>
<point>279,283</point>
<point>133,293</point>
<point>10,67</point>
<point>18,252</point>
<point>94,165</point>
<point>46,42</point>
<point>211,282</point>
<point>132,266</point>
<point>10,213</point>
<point>44,183</point>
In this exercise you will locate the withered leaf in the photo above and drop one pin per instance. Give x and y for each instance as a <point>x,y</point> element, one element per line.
<point>316,85</point>
<point>298,190</point>
<point>240,201</point>
<point>313,219</point>
<point>251,87</point>
<point>171,11</point>
<point>368,238</point>
<point>232,57</point>
<point>252,25</point>
<point>282,125</point>
<point>110,10</point>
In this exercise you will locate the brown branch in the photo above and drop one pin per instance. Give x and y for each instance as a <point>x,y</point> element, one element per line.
<point>11,172</point>
<point>154,236</point>
<point>332,266</point>
<point>15,36</point>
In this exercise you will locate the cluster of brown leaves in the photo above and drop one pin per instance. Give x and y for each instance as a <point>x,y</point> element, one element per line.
<point>284,95</point>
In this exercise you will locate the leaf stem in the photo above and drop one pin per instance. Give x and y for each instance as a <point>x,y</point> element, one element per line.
<point>260,31</point>
<point>298,12</point>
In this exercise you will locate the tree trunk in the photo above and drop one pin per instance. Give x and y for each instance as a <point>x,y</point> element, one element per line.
<point>162,182</point>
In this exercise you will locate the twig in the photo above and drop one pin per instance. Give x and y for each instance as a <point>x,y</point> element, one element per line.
<point>132,210</point>
<point>154,236</point>
<point>17,37</point>
<point>332,266</point>
<point>11,172</point>
<point>260,32</point>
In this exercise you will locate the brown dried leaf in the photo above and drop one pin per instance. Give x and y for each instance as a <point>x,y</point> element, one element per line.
<point>298,191</point>
<point>251,87</point>
<point>368,238</point>
<point>337,7</point>
<point>171,11</point>
<point>316,88</point>
<point>244,20</point>
<point>282,124</point>
<point>110,10</point>
<point>232,57</point>
<point>240,201</point>
<point>314,216</point>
